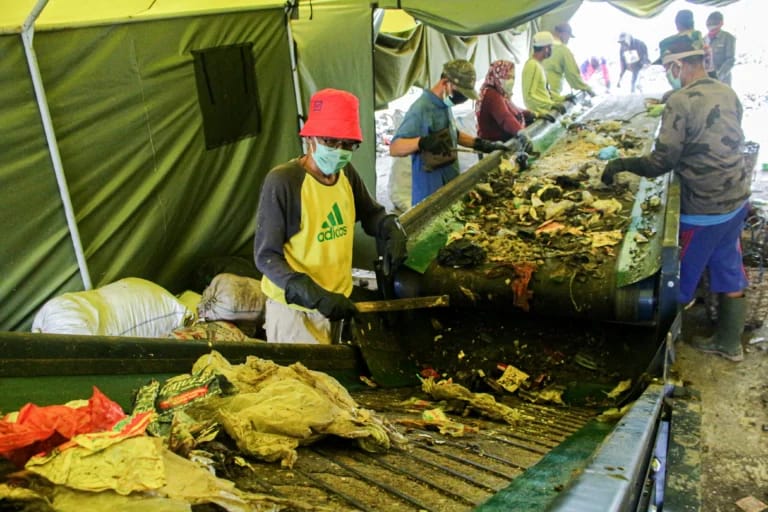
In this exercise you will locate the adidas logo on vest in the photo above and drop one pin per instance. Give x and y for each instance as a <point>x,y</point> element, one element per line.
<point>333,227</point>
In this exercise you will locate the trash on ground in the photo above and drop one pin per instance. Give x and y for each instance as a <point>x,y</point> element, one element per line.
<point>751,504</point>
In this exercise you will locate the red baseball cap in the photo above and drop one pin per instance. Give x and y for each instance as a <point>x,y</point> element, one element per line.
<point>335,114</point>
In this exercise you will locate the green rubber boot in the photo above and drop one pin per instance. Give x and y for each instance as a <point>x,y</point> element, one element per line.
<point>726,341</point>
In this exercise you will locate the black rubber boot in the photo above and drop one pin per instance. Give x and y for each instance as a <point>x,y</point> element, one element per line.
<point>726,341</point>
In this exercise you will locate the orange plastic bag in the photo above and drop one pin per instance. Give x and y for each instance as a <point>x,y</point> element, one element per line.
<point>39,429</point>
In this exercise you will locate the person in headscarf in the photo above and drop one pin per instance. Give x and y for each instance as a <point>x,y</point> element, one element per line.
<point>497,117</point>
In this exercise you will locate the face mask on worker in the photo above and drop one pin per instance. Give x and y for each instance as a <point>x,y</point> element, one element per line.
<point>509,84</point>
<point>673,80</point>
<point>330,160</point>
<point>453,99</point>
<point>457,98</point>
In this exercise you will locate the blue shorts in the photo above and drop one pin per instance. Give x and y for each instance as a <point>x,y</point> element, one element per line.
<point>715,248</point>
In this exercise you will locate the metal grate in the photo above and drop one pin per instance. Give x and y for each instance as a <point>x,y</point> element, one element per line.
<point>436,473</point>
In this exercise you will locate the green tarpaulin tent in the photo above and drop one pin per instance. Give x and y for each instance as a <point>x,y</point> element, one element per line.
<point>123,152</point>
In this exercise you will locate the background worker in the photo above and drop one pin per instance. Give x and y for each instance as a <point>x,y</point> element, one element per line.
<point>537,96</point>
<point>700,139</point>
<point>684,22</point>
<point>685,25</point>
<point>305,226</point>
<point>429,134</point>
<point>497,117</point>
<point>562,64</point>
<point>595,66</point>
<point>722,44</point>
<point>633,57</point>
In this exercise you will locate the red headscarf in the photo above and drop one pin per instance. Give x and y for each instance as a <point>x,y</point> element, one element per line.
<point>494,79</point>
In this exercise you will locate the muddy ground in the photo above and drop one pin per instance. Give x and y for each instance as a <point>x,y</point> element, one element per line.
<point>734,405</point>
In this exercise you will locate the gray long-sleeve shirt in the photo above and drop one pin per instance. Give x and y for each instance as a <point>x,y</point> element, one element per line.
<point>723,47</point>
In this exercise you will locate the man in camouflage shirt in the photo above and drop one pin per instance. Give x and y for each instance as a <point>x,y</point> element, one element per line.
<point>701,141</point>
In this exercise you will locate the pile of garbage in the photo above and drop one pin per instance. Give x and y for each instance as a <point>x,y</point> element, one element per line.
<point>559,210</point>
<point>90,455</point>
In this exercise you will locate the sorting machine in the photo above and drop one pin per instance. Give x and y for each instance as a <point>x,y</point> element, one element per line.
<point>634,285</point>
<point>556,458</point>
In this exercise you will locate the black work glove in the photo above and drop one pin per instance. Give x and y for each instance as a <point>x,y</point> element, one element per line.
<point>488,146</point>
<point>610,170</point>
<point>522,160</point>
<point>547,117</point>
<point>391,244</point>
<point>439,142</point>
<point>302,290</point>
<point>526,146</point>
<point>559,107</point>
<point>529,117</point>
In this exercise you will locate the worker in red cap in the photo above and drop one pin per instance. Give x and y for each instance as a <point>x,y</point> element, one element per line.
<point>305,226</point>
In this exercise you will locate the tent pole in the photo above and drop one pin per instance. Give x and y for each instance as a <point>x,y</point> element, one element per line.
<point>27,36</point>
<point>289,7</point>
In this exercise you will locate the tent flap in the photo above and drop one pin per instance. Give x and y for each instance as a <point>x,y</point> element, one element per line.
<point>474,18</point>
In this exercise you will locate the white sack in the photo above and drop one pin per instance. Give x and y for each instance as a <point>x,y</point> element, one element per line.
<point>399,185</point>
<point>128,307</point>
<point>232,297</point>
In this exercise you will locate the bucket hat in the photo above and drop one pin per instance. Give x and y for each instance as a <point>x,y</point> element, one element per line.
<point>461,73</point>
<point>333,113</point>
<point>678,47</point>
<point>543,38</point>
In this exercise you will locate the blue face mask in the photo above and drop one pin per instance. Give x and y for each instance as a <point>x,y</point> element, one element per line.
<point>331,160</point>
<point>676,83</point>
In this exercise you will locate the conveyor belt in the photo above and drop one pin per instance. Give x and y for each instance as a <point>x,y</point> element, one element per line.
<point>624,286</point>
<point>435,473</point>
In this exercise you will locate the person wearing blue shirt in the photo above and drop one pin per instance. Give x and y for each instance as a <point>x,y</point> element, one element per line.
<point>429,134</point>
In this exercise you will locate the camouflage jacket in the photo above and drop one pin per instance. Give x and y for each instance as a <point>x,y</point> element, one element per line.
<point>700,138</point>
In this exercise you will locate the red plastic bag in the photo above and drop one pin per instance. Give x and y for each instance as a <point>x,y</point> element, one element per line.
<point>40,429</point>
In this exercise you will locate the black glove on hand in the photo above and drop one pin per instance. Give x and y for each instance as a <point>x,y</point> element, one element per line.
<point>526,146</point>
<point>529,117</point>
<point>391,244</point>
<point>439,142</point>
<point>559,107</point>
<point>547,117</point>
<point>522,160</point>
<point>610,170</point>
<point>302,290</point>
<point>488,146</point>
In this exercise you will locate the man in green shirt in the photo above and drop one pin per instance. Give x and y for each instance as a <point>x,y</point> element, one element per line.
<point>536,93</point>
<point>561,64</point>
